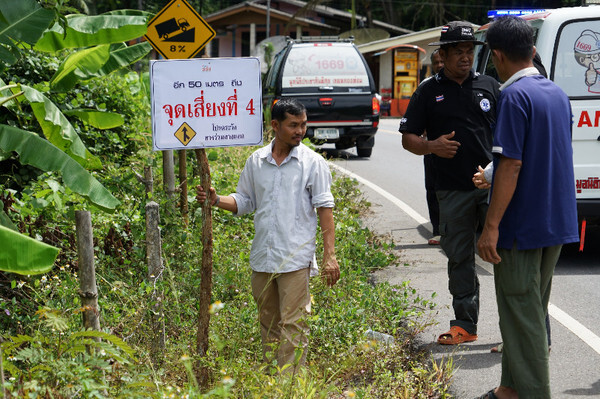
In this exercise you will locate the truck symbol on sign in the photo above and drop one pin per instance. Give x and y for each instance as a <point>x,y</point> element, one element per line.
<point>164,29</point>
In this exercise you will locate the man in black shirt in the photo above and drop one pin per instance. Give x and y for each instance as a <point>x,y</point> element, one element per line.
<point>457,109</point>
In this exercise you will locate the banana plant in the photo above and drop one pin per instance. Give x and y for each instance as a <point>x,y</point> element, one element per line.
<point>93,46</point>
<point>21,22</point>
<point>25,255</point>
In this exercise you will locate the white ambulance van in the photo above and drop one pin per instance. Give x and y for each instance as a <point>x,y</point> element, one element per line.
<point>568,42</point>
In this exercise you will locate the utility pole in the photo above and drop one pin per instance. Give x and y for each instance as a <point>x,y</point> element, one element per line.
<point>269,18</point>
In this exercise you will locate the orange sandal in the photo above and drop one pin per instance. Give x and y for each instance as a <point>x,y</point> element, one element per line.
<point>456,335</point>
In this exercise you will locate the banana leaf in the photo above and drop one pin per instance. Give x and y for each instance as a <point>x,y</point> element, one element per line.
<point>98,119</point>
<point>86,31</point>
<point>42,154</point>
<point>23,20</point>
<point>57,128</point>
<point>6,222</point>
<point>7,55</point>
<point>24,255</point>
<point>78,66</point>
<point>122,55</point>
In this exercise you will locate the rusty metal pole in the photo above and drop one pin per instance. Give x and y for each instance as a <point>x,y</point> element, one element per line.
<point>204,297</point>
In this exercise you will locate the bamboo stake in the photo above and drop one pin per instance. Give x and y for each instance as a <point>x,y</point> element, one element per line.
<point>206,271</point>
<point>88,291</point>
<point>168,172</point>
<point>148,181</point>
<point>155,270</point>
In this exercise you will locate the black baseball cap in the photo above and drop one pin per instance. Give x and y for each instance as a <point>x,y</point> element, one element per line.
<point>456,32</point>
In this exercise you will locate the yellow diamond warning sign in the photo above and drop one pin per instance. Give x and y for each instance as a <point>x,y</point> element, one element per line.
<point>178,31</point>
<point>185,133</point>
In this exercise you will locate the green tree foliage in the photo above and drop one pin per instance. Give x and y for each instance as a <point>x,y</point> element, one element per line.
<point>204,7</point>
<point>423,14</point>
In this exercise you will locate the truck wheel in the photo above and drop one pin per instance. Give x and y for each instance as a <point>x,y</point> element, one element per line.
<point>364,152</point>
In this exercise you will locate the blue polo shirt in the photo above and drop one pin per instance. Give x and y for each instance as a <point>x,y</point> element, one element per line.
<point>534,125</point>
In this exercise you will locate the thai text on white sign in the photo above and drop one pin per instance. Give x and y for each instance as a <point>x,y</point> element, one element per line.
<point>206,102</point>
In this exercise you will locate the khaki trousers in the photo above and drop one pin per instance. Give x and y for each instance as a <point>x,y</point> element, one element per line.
<point>283,302</point>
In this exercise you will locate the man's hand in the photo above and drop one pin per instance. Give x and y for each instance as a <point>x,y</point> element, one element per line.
<point>201,195</point>
<point>486,246</point>
<point>331,271</point>
<point>443,146</point>
<point>479,179</point>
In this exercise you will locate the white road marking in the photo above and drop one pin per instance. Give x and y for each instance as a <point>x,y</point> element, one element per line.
<point>400,204</point>
<point>576,327</point>
<point>387,131</point>
<point>587,336</point>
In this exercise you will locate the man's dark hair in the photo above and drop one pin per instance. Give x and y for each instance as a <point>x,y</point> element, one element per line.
<point>287,105</point>
<point>513,36</point>
<point>433,53</point>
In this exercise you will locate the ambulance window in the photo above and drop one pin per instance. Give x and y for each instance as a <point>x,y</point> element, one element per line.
<point>483,59</point>
<point>576,62</point>
<point>480,52</point>
<point>271,79</point>
<point>490,69</point>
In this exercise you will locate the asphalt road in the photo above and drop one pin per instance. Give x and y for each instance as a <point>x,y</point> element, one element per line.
<point>392,180</point>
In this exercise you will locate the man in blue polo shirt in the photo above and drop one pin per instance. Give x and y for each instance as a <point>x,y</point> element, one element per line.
<point>532,210</point>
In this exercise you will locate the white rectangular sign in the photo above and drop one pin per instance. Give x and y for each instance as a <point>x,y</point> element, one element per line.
<point>206,102</point>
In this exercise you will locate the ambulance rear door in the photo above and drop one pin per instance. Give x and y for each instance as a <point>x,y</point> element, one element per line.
<point>575,67</point>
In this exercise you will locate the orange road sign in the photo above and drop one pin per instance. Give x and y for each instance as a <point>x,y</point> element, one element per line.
<point>178,31</point>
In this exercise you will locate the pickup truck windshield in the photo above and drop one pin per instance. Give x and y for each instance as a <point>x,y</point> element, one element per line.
<point>324,64</point>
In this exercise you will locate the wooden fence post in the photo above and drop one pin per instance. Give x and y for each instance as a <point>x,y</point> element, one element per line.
<point>155,270</point>
<point>148,181</point>
<point>183,194</point>
<point>168,172</point>
<point>204,299</point>
<point>87,271</point>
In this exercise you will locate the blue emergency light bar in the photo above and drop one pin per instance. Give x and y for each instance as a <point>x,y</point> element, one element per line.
<point>500,13</point>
